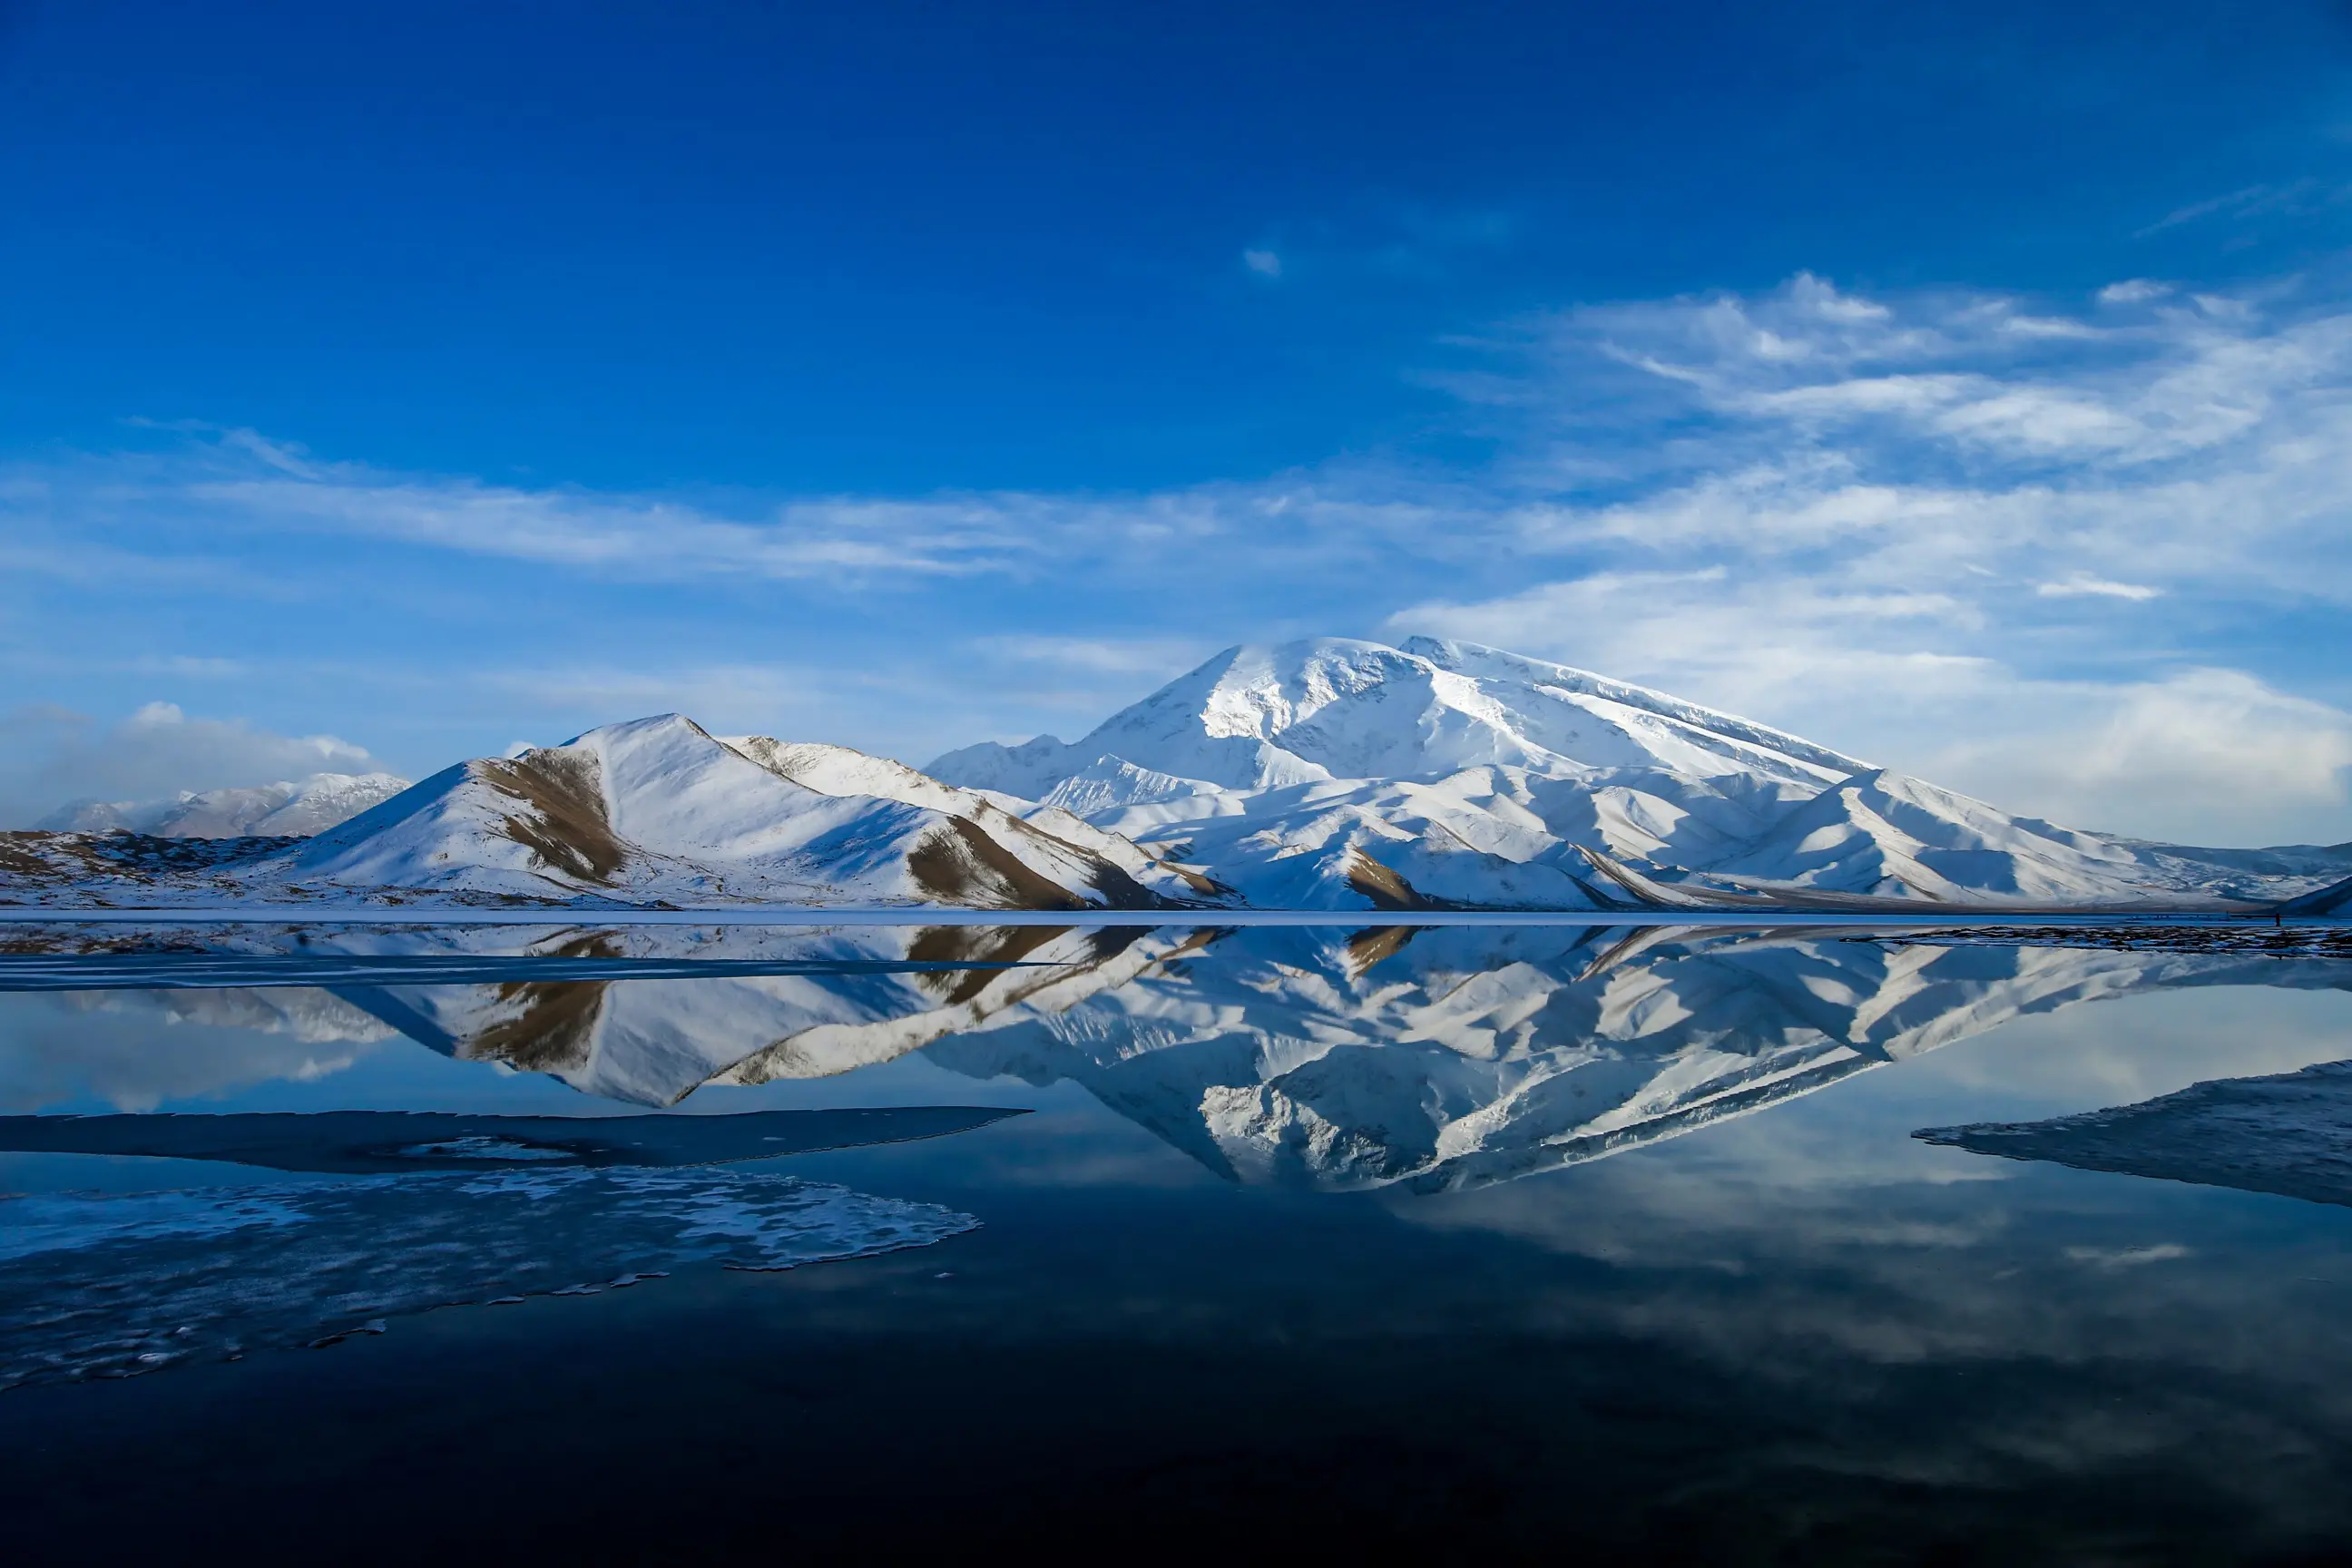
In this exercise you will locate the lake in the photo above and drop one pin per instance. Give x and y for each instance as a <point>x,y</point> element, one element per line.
<point>1461,1243</point>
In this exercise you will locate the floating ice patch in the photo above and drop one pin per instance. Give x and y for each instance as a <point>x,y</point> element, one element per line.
<point>65,1222</point>
<point>110,1286</point>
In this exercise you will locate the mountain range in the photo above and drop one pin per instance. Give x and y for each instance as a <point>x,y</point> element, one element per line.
<point>290,808</point>
<point>1325,774</point>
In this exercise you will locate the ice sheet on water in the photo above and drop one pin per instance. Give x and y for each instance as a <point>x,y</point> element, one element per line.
<point>2289,1133</point>
<point>112,1285</point>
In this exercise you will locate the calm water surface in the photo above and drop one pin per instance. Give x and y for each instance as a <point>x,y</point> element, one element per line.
<point>1609,1244</point>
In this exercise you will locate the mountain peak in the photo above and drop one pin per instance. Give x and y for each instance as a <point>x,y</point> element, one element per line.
<point>1270,716</point>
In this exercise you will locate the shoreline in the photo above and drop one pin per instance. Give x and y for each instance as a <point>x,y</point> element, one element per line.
<point>772,915</point>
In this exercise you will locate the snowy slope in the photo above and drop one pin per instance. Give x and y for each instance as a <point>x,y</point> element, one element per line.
<point>1887,833</point>
<point>290,808</point>
<point>1052,842</point>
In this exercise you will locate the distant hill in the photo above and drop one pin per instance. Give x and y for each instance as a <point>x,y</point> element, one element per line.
<point>290,808</point>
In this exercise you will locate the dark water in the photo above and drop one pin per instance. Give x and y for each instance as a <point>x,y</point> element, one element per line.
<point>1462,1245</point>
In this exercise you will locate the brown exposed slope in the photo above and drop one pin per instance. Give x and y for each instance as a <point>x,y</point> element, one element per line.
<point>1120,889</point>
<point>555,1029</point>
<point>960,864</point>
<point>1367,947</point>
<point>568,829</point>
<point>553,1025</point>
<point>1384,888</point>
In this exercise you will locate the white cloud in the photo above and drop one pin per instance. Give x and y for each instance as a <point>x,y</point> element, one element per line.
<point>1265,263</point>
<point>1976,369</point>
<point>2133,291</point>
<point>2201,756</point>
<point>62,1047</point>
<point>216,490</point>
<point>49,756</point>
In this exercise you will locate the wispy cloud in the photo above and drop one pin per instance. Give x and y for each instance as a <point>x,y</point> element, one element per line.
<point>63,518</point>
<point>130,516</point>
<point>612,535</point>
<point>2297,197</point>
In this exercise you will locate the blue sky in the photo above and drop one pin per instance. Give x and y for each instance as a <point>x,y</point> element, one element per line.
<point>1963,386</point>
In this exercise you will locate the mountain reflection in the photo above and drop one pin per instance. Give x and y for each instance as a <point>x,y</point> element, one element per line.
<point>1434,1058</point>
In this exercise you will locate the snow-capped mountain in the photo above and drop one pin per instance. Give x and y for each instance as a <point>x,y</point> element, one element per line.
<point>1331,774</point>
<point>292,808</point>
